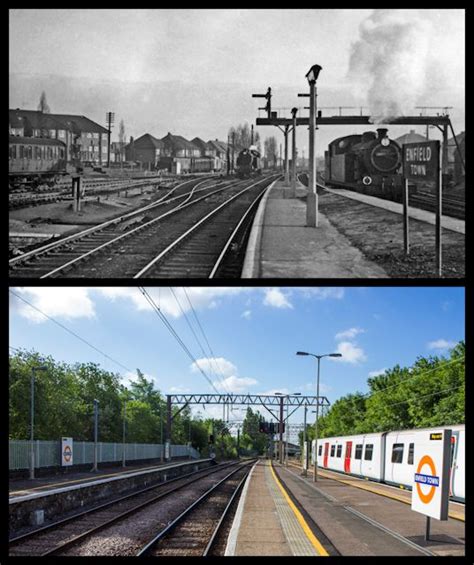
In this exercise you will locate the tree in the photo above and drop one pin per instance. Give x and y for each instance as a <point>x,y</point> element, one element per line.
<point>43,104</point>
<point>271,150</point>
<point>122,140</point>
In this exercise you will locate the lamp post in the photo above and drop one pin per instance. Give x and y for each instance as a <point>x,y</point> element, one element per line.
<point>318,357</point>
<point>312,199</point>
<point>280,448</point>
<point>123,433</point>
<point>161,433</point>
<point>293,155</point>
<point>304,473</point>
<point>32,418</point>
<point>96,432</point>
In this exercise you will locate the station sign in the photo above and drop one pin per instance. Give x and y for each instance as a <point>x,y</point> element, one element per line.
<point>305,455</point>
<point>421,161</point>
<point>66,451</point>
<point>430,491</point>
<point>167,450</point>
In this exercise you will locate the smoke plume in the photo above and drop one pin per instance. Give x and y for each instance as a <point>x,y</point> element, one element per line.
<point>389,62</point>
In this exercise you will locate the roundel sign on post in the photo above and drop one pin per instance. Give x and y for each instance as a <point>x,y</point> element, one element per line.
<point>66,451</point>
<point>430,492</point>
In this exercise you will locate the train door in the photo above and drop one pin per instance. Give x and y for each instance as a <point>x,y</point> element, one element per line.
<point>326,454</point>
<point>347,457</point>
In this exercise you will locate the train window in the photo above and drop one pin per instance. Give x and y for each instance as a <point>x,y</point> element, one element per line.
<point>339,451</point>
<point>358,451</point>
<point>22,151</point>
<point>320,450</point>
<point>29,152</point>
<point>12,151</point>
<point>333,448</point>
<point>397,452</point>
<point>369,448</point>
<point>411,450</point>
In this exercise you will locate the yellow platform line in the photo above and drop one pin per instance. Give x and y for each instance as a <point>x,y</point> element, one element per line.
<point>307,530</point>
<point>354,483</point>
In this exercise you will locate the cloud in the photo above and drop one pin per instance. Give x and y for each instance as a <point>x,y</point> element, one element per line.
<point>441,344</point>
<point>377,372</point>
<point>173,302</point>
<point>350,353</point>
<point>179,390</point>
<point>274,297</point>
<point>215,366</point>
<point>323,293</point>
<point>349,334</point>
<point>58,302</point>
<point>247,314</point>
<point>235,384</point>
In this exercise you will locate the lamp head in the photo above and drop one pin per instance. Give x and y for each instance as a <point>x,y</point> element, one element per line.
<point>335,355</point>
<point>313,73</point>
<point>301,353</point>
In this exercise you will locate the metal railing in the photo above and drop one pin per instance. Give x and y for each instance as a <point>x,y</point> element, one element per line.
<point>48,453</point>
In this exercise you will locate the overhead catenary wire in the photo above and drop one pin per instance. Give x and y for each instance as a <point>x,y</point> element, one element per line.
<point>71,332</point>
<point>175,335</point>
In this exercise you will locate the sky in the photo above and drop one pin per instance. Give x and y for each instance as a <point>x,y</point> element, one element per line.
<point>192,71</point>
<point>251,334</point>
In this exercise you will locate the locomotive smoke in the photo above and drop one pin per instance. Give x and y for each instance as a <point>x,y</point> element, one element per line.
<point>389,62</point>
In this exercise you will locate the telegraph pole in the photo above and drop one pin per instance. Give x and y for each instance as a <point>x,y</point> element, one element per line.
<point>293,155</point>
<point>110,117</point>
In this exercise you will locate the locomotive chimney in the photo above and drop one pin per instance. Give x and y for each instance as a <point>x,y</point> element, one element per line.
<point>382,132</point>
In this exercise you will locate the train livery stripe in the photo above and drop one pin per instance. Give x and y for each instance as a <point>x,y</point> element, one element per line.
<point>307,530</point>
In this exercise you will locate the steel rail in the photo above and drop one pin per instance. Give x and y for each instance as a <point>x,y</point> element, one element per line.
<point>149,546</point>
<point>50,527</point>
<point>141,227</point>
<point>53,245</point>
<point>198,224</point>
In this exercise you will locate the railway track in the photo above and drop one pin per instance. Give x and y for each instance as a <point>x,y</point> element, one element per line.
<point>193,231</point>
<point>150,509</point>
<point>453,206</point>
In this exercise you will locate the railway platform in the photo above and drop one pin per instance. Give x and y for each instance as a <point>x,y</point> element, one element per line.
<point>283,513</point>
<point>280,244</point>
<point>47,498</point>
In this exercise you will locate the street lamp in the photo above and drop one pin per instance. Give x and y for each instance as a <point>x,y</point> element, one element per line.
<point>312,199</point>
<point>293,155</point>
<point>318,357</point>
<point>32,418</point>
<point>123,432</point>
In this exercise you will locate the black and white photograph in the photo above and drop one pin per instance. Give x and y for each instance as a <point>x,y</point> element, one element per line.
<point>235,144</point>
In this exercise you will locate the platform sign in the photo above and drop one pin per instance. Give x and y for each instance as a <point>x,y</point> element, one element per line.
<point>66,451</point>
<point>430,492</point>
<point>421,161</point>
<point>305,455</point>
<point>167,450</point>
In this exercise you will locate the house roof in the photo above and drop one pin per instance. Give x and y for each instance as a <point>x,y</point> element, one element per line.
<point>35,140</point>
<point>411,137</point>
<point>201,144</point>
<point>219,145</point>
<point>146,140</point>
<point>41,120</point>
<point>177,142</point>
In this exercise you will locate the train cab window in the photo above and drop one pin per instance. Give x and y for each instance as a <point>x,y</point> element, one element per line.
<point>333,448</point>
<point>12,151</point>
<point>397,452</point>
<point>320,450</point>
<point>21,151</point>
<point>339,451</point>
<point>29,152</point>
<point>411,450</point>
<point>358,451</point>
<point>369,449</point>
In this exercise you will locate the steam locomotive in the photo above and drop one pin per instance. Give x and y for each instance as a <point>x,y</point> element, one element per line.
<point>248,163</point>
<point>368,163</point>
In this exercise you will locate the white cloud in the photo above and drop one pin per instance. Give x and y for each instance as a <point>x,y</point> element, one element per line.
<point>349,334</point>
<point>235,384</point>
<point>274,297</point>
<point>324,292</point>
<point>58,302</point>
<point>377,372</point>
<point>179,390</point>
<point>200,297</point>
<point>441,344</point>
<point>350,353</point>
<point>247,314</point>
<point>214,365</point>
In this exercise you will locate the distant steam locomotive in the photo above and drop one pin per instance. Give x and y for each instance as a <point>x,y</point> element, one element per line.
<point>248,163</point>
<point>369,163</point>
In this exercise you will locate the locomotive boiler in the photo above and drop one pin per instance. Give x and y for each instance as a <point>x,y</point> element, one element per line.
<point>368,163</point>
<point>248,162</point>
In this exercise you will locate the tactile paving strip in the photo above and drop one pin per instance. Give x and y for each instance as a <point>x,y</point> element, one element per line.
<point>297,539</point>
